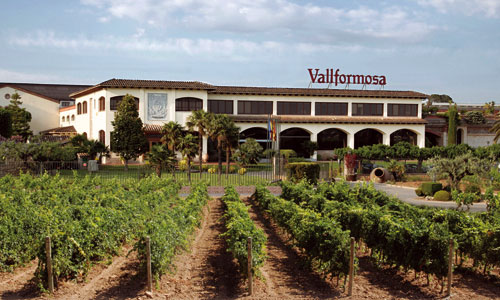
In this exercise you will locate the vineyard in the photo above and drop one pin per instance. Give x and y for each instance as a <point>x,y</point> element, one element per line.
<point>300,241</point>
<point>400,234</point>
<point>89,220</point>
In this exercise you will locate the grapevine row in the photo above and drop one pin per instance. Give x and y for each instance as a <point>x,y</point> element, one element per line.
<point>239,226</point>
<point>322,241</point>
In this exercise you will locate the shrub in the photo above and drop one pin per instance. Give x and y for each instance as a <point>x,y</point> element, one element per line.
<point>287,153</point>
<point>473,189</point>
<point>442,196</point>
<point>419,192</point>
<point>212,170</point>
<point>183,165</point>
<point>303,170</point>
<point>242,171</point>
<point>232,169</point>
<point>430,188</point>
<point>297,159</point>
<point>248,153</point>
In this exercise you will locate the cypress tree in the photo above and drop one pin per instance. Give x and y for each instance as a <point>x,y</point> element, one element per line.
<point>452,124</point>
<point>128,139</point>
<point>5,123</point>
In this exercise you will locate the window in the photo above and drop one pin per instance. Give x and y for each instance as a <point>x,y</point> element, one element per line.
<point>84,107</point>
<point>84,134</point>
<point>114,102</point>
<point>255,107</point>
<point>102,104</point>
<point>220,106</point>
<point>402,110</point>
<point>102,136</point>
<point>72,117</point>
<point>65,103</point>
<point>367,109</point>
<point>63,119</point>
<point>79,109</point>
<point>188,104</point>
<point>294,108</point>
<point>331,109</point>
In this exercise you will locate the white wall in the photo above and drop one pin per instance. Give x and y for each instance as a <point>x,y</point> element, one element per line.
<point>44,113</point>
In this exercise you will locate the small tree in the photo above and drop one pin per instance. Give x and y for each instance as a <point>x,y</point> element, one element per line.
<point>20,117</point>
<point>160,157</point>
<point>231,142</point>
<point>489,108</point>
<point>474,117</point>
<point>172,132</point>
<point>188,146</point>
<point>127,138</point>
<point>5,123</point>
<point>310,147</point>
<point>455,169</point>
<point>248,153</point>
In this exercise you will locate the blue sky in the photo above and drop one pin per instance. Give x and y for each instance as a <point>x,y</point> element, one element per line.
<point>432,46</point>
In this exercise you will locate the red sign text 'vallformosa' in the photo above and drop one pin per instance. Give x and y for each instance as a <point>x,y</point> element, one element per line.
<point>335,78</point>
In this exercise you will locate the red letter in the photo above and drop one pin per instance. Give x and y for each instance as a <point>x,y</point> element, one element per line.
<point>336,77</point>
<point>349,78</point>
<point>366,79</point>
<point>342,79</point>
<point>321,78</point>
<point>313,78</point>
<point>375,79</point>
<point>382,80</point>
<point>359,79</point>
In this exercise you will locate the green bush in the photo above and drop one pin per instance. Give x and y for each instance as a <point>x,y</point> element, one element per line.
<point>442,196</point>
<point>297,159</point>
<point>419,192</point>
<point>430,188</point>
<point>303,170</point>
<point>473,189</point>
<point>287,153</point>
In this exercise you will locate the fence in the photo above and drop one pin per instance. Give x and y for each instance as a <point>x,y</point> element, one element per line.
<point>251,175</point>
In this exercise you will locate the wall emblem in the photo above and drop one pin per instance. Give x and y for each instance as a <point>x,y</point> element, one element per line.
<point>157,106</point>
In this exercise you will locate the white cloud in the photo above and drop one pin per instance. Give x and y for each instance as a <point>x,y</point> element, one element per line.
<point>230,48</point>
<point>488,8</point>
<point>271,17</point>
<point>11,76</point>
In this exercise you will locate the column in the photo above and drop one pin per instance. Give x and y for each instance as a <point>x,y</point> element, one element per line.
<point>386,139</point>
<point>421,140</point>
<point>205,149</point>
<point>445,138</point>
<point>313,108</point>
<point>350,140</point>
<point>385,110</point>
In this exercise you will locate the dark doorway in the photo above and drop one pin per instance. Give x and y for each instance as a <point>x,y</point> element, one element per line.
<point>367,137</point>
<point>404,135</point>
<point>332,138</point>
<point>294,139</point>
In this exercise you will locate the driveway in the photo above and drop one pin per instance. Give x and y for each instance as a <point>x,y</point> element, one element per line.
<point>407,194</point>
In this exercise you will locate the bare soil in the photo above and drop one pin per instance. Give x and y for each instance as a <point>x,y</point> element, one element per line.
<point>207,271</point>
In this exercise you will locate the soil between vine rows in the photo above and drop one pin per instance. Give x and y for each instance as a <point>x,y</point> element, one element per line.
<point>207,271</point>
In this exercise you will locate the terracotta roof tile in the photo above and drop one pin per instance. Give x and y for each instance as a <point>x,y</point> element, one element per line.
<point>146,84</point>
<point>328,119</point>
<point>152,128</point>
<point>274,91</point>
<point>66,129</point>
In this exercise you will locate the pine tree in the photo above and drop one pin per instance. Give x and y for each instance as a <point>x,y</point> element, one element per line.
<point>128,138</point>
<point>20,117</point>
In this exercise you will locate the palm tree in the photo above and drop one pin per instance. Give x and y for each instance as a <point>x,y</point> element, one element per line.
<point>496,129</point>
<point>188,147</point>
<point>172,132</point>
<point>200,120</point>
<point>161,158</point>
<point>218,130</point>
<point>231,141</point>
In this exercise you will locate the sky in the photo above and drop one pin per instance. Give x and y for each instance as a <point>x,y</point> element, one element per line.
<point>430,46</point>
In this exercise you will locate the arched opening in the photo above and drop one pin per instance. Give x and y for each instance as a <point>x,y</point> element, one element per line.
<point>102,136</point>
<point>188,104</point>
<point>460,136</point>
<point>72,117</point>
<point>404,135</point>
<point>79,109</point>
<point>294,139</point>
<point>332,138</point>
<point>102,104</point>
<point>432,139</point>
<point>63,119</point>
<point>257,133</point>
<point>114,102</point>
<point>84,107</point>
<point>367,137</point>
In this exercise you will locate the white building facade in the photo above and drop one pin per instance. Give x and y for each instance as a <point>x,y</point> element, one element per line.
<point>333,118</point>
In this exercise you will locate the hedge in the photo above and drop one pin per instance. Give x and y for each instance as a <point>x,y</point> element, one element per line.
<point>303,170</point>
<point>430,188</point>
